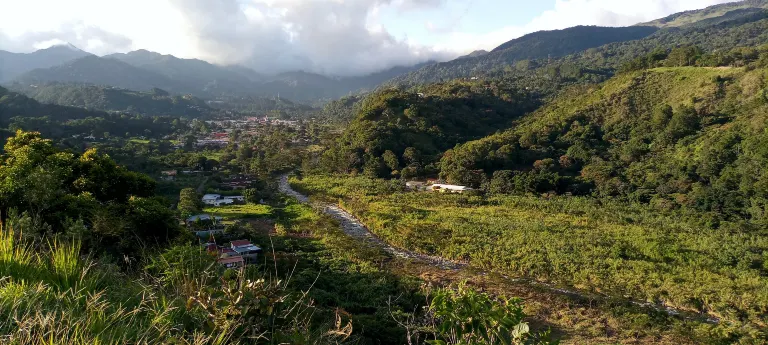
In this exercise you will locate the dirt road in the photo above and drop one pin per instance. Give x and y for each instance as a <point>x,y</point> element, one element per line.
<point>353,227</point>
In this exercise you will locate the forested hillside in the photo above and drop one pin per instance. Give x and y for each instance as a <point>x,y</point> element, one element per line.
<point>689,17</point>
<point>14,104</point>
<point>725,27</point>
<point>153,102</point>
<point>395,129</point>
<point>54,121</point>
<point>673,137</point>
<point>100,71</point>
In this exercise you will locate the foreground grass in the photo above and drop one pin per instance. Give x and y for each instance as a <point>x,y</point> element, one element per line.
<point>54,296</point>
<point>611,249</point>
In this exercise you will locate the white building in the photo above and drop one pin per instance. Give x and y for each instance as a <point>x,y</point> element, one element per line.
<point>222,202</point>
<point>248,251</point>
<point>449,188</point>
<point>210,199</point>
<point>238,198</point>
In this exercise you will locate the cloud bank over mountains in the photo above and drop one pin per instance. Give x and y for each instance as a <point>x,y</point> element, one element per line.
<point>332,37</point>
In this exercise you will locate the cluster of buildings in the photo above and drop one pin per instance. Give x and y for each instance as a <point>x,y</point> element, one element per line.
<point>218,200</point>
<point>204,225</point>
<point>435,186</point>
<point>238,254</point>
<point>219,139</point>
<point>238,182</point>
<point>251,123</point>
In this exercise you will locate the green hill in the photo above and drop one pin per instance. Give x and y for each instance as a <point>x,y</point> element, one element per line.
<point>696,16</point>
<point>674,137</point>
<point>539,45</point>
<point>14,104</point>
<point>402,125</point>
<point>601,51</point>
<point>154,102</point>
<point>55,121</point>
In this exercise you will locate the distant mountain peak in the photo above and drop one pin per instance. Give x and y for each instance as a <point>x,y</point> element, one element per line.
<point>473,54</point>
<point>64,45</point>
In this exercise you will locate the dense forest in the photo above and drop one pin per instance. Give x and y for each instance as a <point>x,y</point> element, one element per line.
<point>153,103</point>
<point>395,129</point>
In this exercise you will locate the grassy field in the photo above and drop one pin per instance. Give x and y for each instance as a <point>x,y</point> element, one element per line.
<point>240,211</point>
<point>139,141</point>
<point>612,249</point>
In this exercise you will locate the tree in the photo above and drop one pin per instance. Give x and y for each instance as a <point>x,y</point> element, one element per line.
<point>374,166</point>
<point>661,116</point>
<point>502,182</point>
<point>411,156</point>
<point>251,195</point>
<point>189,202</point>
<point>53,188</point>
<point>684,56</point>
<point>390,159</point>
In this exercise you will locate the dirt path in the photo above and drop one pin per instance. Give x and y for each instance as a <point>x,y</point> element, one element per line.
<point>353,227</point>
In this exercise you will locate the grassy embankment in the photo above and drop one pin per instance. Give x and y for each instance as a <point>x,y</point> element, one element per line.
<point>613,249</point>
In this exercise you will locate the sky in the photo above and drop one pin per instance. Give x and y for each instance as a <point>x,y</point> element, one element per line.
<point>332,37</point>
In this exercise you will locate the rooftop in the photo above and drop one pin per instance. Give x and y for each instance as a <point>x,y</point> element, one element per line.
<point>248,248</point>
<point>231,260</point>
<point>211,196</point>
<point>451,187</point>
<point>202,217</point>
<point>241,243</point>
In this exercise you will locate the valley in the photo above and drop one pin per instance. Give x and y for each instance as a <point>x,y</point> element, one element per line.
<point>584,185</point>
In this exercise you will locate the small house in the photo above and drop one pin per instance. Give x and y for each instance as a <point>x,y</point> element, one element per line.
<point>222,202</point>
<point>211,248</point>
<point>210,199</point>
<point>236,198</point>
<point>225,252</point>
<point>448,188</point>
<point>232,262</point>
<point>247,250</point>
<point>168,175</point>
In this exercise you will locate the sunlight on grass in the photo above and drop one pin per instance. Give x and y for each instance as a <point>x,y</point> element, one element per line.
<point>240,211</point>
<point>574,241</point>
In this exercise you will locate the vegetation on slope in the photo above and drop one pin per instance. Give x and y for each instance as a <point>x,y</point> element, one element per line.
<point>673,137</point>
<point>411,129</point>
<point>611,248</point>
<point>14,104</point>
<point>711,33</point>
<point>542,45</point>
<point>152,103</point>
<point>111,209</point>
<point>697,16</point>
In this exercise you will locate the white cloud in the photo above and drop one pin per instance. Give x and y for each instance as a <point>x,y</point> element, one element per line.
<point>338,37</point>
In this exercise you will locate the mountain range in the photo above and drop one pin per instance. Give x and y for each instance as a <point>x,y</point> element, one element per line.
<point>603,48</point>
<point>13,65</point>
<point>143,70</point>
<point>606,48</point>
